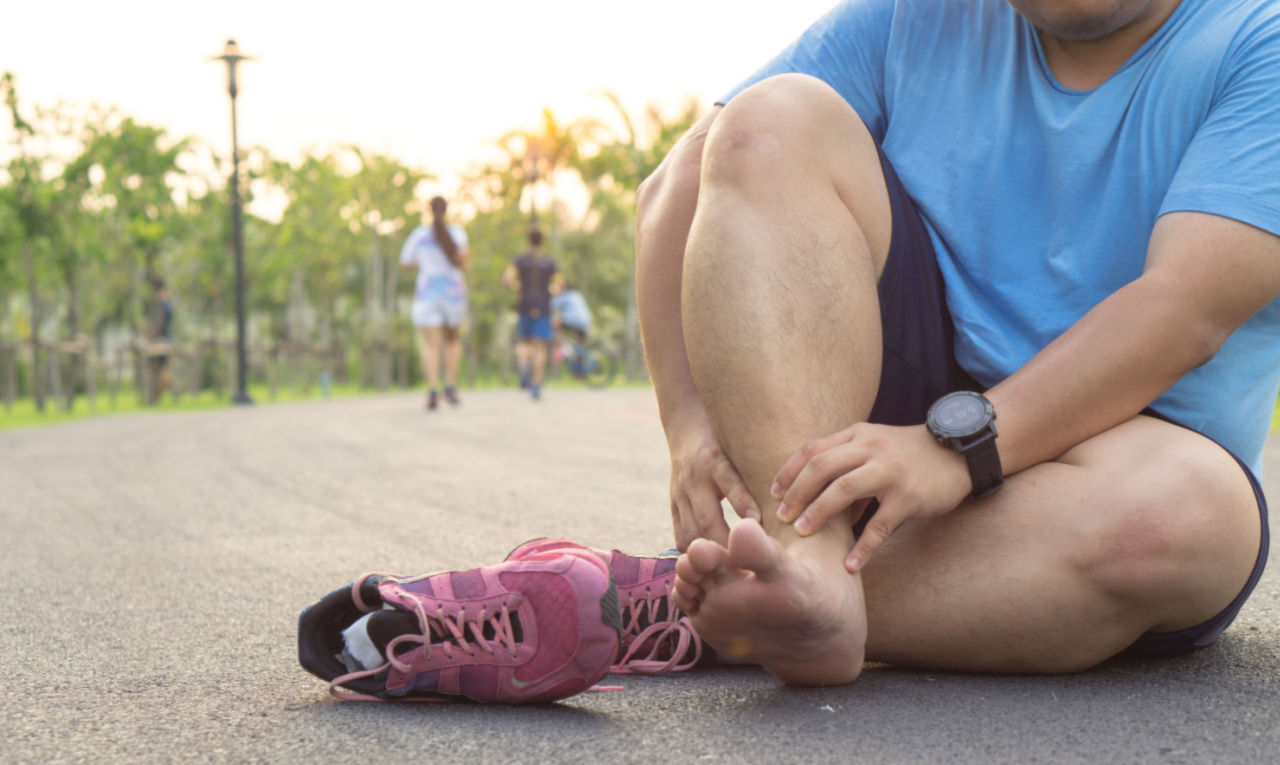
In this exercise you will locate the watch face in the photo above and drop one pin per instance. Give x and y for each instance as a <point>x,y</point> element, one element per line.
<point>960,414</point>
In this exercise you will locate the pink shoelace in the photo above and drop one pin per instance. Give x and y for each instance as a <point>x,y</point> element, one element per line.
<point>454,630</point>
<point>675,635</point>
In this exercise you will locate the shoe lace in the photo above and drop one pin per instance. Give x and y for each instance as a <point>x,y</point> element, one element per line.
<point>462,632</point>
<point>662,639</point>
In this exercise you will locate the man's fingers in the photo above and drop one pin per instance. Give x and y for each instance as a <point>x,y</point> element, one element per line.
<point>847,489</point>
<point>827,470</point>
<point>682,523</point>
<point>882,524</point>
<point>797,462</point>
<point>708,514</point>
<point>735,490</point>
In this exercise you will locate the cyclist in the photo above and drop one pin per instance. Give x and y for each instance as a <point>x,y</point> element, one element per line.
<point>571,314</point>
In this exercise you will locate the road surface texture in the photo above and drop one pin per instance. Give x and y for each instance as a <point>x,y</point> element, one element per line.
<point>154,566</point>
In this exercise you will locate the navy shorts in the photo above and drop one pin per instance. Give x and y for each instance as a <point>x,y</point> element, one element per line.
<point>919,366</point>
<point>535,327</point>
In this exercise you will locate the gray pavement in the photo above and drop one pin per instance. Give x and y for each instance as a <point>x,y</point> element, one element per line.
<point>154,566</point>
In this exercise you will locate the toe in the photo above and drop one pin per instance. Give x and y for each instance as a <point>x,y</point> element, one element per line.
<point>686,571</point>
<point>687,597</point>
<point>709,560</point>
<point>751,548</point>
<point>687,591</point>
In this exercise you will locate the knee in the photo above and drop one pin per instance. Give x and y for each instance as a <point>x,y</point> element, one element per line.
<point>1173,523</point>
<point>666,202</point>
<point>672,189</point>
<point>779,124</point>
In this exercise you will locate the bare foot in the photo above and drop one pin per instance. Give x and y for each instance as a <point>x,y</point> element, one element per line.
<point>802,619</point>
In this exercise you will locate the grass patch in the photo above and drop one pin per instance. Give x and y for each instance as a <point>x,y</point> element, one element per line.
<point>24,414</point>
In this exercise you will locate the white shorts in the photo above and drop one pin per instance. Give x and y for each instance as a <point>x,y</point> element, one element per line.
<point>439,312</point>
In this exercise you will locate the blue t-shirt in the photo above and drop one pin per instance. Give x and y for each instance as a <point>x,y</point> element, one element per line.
<point>1040,199</point>
<point>573,310</point>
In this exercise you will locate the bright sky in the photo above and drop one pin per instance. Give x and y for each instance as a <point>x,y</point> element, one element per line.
<point>427,81</point>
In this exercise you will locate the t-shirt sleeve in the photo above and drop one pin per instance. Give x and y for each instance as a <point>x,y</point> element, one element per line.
<point>410,242</point>
<point>846,49</point>
<point>1232,166</point>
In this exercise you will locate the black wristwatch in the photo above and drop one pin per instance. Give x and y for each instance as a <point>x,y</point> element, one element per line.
<point>965,422</point>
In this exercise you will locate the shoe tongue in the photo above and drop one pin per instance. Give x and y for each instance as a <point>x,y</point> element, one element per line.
<point>385,626</point>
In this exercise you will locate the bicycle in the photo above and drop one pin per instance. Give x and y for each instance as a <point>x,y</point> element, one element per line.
<point>584,361</point>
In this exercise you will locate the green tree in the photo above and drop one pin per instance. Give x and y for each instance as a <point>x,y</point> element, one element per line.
<point>31,201</point>
<point>128,172</point>
<point>613,163</point>
<point>384,207</point>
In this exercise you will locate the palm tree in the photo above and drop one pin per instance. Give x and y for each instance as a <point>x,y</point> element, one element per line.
<point>540,156</point>
<point>613,174</point>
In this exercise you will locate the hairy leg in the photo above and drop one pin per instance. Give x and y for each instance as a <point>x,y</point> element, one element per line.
<point>1146,527</point>
<point>782,330</point>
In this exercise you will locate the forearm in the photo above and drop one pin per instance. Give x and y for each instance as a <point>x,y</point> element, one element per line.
<point>665,209</point>
<point>1204,277</point>
<point>1105,369</point>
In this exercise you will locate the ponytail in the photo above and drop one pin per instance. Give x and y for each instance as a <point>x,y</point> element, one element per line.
<point>441,231</point>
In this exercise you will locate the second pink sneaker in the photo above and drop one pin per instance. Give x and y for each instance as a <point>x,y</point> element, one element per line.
<point>656,636</point>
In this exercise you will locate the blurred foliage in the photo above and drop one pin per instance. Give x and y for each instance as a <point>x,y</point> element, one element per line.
<point>94,204</point>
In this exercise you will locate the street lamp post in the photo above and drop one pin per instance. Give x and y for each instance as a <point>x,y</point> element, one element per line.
<point>231,55</point>
<point>533,156</point>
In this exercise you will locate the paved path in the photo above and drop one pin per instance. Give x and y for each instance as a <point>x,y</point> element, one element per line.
<point>155,564</point>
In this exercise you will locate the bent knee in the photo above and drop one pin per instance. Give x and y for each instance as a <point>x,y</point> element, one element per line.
<point>783,124</point>
<point>677,174</point>
<point>666,199</point>
<point>1180,529</point>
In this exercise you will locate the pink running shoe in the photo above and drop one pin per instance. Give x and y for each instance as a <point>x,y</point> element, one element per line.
<point>524,631</point>
<point>657,637</point>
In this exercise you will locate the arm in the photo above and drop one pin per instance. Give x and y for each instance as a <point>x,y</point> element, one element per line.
<point>511,278</point>
<point>463,258</point>
<point>408,262</point>
<point>1204,276</point>
<point>700,473</point>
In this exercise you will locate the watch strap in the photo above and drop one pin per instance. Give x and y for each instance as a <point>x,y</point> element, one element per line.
<point>983,459</point>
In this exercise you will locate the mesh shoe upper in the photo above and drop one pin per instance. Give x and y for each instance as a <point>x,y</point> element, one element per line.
<point>534,630</point>
<point>656,636</point>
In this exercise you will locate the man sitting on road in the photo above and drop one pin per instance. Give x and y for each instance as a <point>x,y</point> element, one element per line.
<point>923,216</point>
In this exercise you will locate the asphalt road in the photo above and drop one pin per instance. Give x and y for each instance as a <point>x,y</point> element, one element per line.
<point>154,566</point>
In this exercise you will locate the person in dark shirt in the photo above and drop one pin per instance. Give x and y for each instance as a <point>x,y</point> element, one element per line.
<point>533,275</point>
<point>160,333</point>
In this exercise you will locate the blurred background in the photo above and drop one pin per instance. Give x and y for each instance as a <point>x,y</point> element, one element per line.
<point>116,164</point>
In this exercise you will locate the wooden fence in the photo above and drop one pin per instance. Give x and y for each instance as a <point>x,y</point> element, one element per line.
<point>65,370</point>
